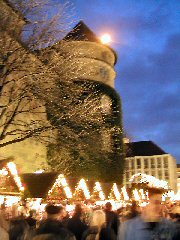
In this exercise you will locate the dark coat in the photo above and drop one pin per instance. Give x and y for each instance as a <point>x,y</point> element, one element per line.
<point>112,220</point>
<point>76,226</point>
<point>105,234</point>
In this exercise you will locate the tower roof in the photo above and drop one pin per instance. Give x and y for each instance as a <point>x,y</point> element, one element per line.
<point>81,32</point>
<point>143,148</point>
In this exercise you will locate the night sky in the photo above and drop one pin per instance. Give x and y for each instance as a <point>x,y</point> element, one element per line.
<point>146,36</point>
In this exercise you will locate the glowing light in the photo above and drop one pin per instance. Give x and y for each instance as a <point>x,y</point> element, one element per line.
<point>136,195</point>
<point>9,200</point>
<point>61,181</point>
<point>126,197</point>
<point>12,168</point>
<point>3,172</point>
<point>143,196</point>
<point>98,188</point>
<point>39,171</point>
<point>105,38</point>
<point>150,180</point>
<point>116,192</point>
<point>83,186</point>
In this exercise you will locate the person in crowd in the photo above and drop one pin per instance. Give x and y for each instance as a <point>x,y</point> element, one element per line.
<point>76,224</point>
<point>175,215</point>
<point>52,225</point>
<point>98,229</point>
<point>3,234</point>
<point>30,219</point>
<point>134,209</point>
<point>63,235</point>
<point>19,229</point>
<point>149,225</point>
<point>112,218</point>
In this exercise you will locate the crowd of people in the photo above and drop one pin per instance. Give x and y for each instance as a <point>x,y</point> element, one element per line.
<point>155,221</point>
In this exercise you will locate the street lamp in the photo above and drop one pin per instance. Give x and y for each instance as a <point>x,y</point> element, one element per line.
<point>105,38</point>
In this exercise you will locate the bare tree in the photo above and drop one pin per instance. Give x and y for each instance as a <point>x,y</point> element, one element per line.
<point>47,21</point>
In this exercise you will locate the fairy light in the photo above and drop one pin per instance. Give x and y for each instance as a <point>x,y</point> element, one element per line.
<point>61,181</point>
<point>98,188</point>
<point>126,197</point>
<point>10,200</point>
<point>4,172</point>
<point>116,192</point>
<point>83,186</point>
<point>150,180</point>
<point>12,168</point>
<point>136,195</point>
<point>142,194</point>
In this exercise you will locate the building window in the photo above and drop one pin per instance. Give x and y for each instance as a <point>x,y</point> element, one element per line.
<point>166,174</point>
<point>159,162</point>
<point>127,165</point>
<point>132,164</point>
<point>138,163</point>
<point>152,163</point>
<point>159,174</point>
<point>146,163</point>
<point>127,176</point>
<point>165,162</point>
<point>153,173</point>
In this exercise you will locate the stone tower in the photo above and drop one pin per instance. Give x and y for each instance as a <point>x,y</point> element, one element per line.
<point>85,60</point>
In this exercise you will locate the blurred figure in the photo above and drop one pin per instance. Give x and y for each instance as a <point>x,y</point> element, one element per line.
<point>30,219</point>
<point>98,229</point>
<point>134,210</point>
<point>175,215</point>
<point>52,225</point>
<point>150,225</point>
<point>76,224</point>
<point>112,218</point>
<point>61,236</point>
<point>19,229</point>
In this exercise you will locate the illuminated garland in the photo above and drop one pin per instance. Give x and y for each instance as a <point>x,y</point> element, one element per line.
<point>115,192</point>
<point>136,195</point>
<point>61,181</point>
<point>12,168</point>
<point>98,188</point>
<point>149,180</point>
<point>83,186</point>
<point>4,172</point>
<point>126,197</point>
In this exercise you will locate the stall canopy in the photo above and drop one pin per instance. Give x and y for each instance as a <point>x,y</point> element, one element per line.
<point>10,182</point>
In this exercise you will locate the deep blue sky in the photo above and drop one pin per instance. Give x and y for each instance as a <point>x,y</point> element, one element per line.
<point>146,36</point>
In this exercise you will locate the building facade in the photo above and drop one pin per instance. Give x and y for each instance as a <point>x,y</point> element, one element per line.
<point>146,157</point>
<point>178,177</point>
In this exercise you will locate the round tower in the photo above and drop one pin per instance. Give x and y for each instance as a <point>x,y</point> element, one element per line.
<point>87,57</point>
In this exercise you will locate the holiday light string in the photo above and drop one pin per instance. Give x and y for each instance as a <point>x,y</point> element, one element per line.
<point>83,186</point>
<point>150,180</point>
<point>98,188</point>
<point>12,168</point>
<point>61,181</point>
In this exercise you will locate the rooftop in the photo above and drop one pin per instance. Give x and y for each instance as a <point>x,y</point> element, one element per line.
<point>143,148</point>
<point>81,32</point>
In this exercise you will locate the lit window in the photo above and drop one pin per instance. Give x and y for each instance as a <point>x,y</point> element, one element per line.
<point>146,163</point>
